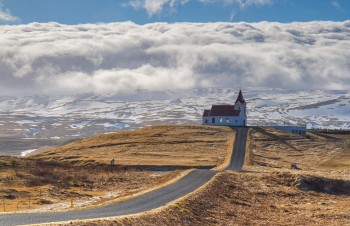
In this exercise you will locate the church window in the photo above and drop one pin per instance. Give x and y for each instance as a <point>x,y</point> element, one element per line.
<point>213,120</point>
<point>220,120</point>
<point>227,121</point>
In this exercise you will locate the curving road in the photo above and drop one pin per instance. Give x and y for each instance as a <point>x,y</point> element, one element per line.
<point>149,201</point>
<point>238,155</point>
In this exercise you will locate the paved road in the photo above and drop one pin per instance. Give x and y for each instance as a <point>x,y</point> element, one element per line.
<point>149,201</point>
<point>237,159</point>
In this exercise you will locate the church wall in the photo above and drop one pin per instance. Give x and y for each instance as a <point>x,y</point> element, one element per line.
<point>225,121</point>
<point>205,121</point>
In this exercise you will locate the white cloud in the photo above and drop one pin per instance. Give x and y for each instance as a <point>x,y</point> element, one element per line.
<point>5,14</point>
<point>155,7</point>
<point>151,6</point>
<point>59,59</point>
<point>232,16</point>
<point>245,3</point>
<point>335,4</point>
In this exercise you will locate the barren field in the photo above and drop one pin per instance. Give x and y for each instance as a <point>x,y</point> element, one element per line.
<point>175,146</point>
<point>250,199</point>
<point>35,185</point>
<point>269,148</point>
<point>81,171</point>
<point>269,192</point>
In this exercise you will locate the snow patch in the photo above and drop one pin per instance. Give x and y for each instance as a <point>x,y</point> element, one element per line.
<point>79,125</point>
<point>27,152</point>
<point>119,125</point>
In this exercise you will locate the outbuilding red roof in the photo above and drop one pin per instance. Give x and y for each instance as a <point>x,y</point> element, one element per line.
<point>206,113</point>
<point>224,110</point>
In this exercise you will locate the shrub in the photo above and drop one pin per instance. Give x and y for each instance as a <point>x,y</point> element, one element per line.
<point>10,197</point>
<point>44,202</point>
<point>14,163</point>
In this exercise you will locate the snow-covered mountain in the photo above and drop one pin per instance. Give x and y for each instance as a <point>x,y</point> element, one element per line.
<point>88,114</point>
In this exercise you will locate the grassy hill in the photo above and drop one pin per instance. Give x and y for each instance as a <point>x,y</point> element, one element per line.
<point>268,192</point>
<point>49,179</point>
<point>276,149</point>
<point>168,145</point>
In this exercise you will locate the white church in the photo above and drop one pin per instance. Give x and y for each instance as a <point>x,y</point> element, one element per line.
<point>227,115</point>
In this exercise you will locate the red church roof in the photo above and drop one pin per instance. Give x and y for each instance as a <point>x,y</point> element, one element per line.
<point>224,110</point>
<point>240,97</point>
<point>206,113</point>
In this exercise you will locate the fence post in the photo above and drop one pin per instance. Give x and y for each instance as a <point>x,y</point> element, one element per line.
<point>71,203</point>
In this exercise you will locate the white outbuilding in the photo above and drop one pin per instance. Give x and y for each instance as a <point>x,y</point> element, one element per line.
<point>227,115</point>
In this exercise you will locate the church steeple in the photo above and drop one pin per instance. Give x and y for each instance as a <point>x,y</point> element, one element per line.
<point>240,98</point>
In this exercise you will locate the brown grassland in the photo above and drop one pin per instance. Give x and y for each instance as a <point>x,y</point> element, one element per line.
<point>173,145</point>
<point>33,185</point>
<point>81,170</point>
<point>268,191</point>
<point>247,199</point>
<point>318,152</point>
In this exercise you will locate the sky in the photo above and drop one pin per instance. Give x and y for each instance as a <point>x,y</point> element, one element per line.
<point>67,47</point>
<point>147,11</point>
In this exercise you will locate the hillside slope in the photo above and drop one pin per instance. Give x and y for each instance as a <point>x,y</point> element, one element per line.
<point>168,145</point>
<point>46,180</point>
<point>269,192</point>
<point>321,152</point>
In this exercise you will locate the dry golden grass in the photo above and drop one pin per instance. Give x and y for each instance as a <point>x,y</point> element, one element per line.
<point>169,145</point>
<point>26,184</point>
<point>57,175</point>
<point>248,199</point>
<point>341,161</point>
<point>272,149</point>
<point>273,194</point>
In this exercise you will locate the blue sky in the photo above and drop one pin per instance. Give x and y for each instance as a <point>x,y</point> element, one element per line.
<point>146,11</point>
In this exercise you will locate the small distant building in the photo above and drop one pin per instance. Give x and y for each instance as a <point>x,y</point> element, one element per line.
<point>227,115</point>
<point>300,130</point>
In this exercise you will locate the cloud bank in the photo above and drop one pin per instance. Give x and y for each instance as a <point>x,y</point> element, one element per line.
<point>55,59</point>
